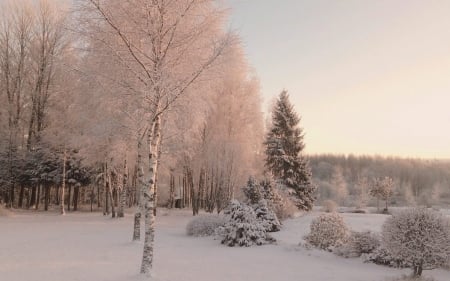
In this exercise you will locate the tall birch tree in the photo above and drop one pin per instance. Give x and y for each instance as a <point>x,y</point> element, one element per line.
<point>166,46</point>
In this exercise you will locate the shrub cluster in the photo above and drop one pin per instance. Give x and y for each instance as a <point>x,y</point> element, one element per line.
<point>358,243</point>
<point>327,232</point>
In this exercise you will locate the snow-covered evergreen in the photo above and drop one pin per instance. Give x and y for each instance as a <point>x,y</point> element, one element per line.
<point>243,227</point>
<point>256,198</point>
<point>253,191</point>
<point>266,216</point>
<point>284,145</point>
<point>419,237</point>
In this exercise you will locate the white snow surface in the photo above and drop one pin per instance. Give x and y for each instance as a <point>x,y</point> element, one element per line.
<point>90,247</point>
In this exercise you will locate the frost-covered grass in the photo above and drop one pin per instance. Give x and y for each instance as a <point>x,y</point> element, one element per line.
<point>90,247</point>
<point>204,225</point>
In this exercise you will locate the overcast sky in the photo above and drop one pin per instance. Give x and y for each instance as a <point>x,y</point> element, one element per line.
<point>367,76</point>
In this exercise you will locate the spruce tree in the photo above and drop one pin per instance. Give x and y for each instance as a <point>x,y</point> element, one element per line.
<point>284,159</point>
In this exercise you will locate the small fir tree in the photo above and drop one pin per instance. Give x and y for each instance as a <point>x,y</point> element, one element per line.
<point>253,191</point>
<point>266,216</point>
<point>256,198</point>
<point>284,145</point>
<point>242,227</point>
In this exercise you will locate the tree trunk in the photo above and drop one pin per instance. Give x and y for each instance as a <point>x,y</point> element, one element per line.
<point>99,197</point>
<point>38,196</point>
<point>158,155</point>
<point>63,183</point>
<point>149,199</point>
<point>123,191</point>
<point>110,192</point>
<point>171,191</point>
<point>33,197</point>
<point>141,187</point>
<point>11,196</point>
<point>46,197</point>
<point>92,197</point>
<point>68,199</point>
<point>417,270</point>
<point>106,190</point>
<point>76,196</point>
<point>21,193</point>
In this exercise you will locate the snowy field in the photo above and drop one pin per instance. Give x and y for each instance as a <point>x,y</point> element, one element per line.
<point>90,247</point>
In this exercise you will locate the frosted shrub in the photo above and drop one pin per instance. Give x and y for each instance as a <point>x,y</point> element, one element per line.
<point>242,227</point>
<point>418,237</point>
<point>358,243</point>
<point>327,231</point>
<point>383,257</point>
<point>204,225</point>
<point>266,217</point>
<point>329,206</point>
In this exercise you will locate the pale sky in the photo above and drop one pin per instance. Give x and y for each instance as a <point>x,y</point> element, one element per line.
<point>367,76</point>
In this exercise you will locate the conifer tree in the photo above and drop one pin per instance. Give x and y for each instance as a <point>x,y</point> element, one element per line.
<point>284,159</point>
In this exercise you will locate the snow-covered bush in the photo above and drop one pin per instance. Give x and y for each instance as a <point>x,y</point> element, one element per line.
<point>358,243</point>
<point>418,237</point>
<point>266,216</point>
<point>382,256</point>
<point>327,231</point>
<point>204,225</point>
<point>242,227</point>
<point>329,206</point>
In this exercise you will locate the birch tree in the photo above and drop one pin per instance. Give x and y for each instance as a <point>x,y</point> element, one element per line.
<point>166,46</point>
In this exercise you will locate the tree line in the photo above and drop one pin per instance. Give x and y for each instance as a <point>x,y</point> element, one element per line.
<point>415,181</point>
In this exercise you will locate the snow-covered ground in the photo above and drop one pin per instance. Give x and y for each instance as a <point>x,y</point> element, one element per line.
<point>90,247</point>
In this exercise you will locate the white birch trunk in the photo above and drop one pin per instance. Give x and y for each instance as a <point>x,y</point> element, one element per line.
<point>149,198</point>
<point>123,192</point>
<point>63,212</point>
<point>140,187</point>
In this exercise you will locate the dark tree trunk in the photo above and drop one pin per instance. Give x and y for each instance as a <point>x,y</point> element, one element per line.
<point>58,195</point>
<point>11,196</point>
<point>76,196</point>
<point>171,191</point>
<point>92,197</point>
<point>22,190</point>
<point>98,196</point>
<point>38,196</point>
<point>68,199</point>
<point>33,196</point>
<point>46,197</point>
<point>417,270</point>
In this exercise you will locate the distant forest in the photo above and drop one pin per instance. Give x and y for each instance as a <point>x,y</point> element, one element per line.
<point>417,181</point>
